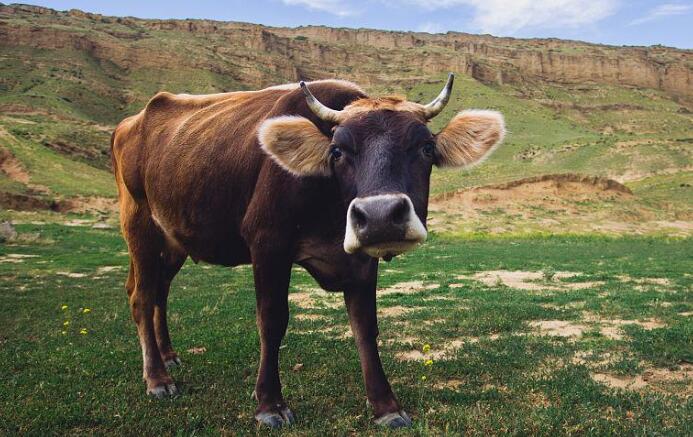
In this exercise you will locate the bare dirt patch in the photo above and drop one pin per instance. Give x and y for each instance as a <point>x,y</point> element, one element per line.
<point>71,274</point>
<point>11,167</point>
<point>310,317</point>
<point>395,311</point>
<point>79,222</point>
<point>530,281</point>
<point>644,281</point>
<point>442,352</point>
<point>440,299</point>
<point>407,288</point>
<point>88,204</point>
<point>315,298</point>
<point>588,358</point>
<point>559,328</point>
<point>610,328</point>
<point>16,258</point>
<point>675,381</point>
<point>340,332</point>
<point>451,384</point>
<point>613,328</point>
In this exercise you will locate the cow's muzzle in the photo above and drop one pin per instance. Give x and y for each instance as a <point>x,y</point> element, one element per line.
<point>384,225</point>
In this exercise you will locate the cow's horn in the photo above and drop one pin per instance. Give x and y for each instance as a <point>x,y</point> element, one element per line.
<point>437,105</point>
<point>322,111</point>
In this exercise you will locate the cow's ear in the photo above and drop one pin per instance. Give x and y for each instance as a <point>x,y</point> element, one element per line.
<point>469,138</point>
<point>296,144</point>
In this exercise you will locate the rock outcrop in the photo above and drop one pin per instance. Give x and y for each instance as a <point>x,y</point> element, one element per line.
<point>255,55</point>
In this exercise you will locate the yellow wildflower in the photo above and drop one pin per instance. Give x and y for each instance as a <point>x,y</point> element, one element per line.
<point>66,323</point>
<point>428,362</point>
<point>63,332</point>
<point>83,331</point>
<point>426,348</point>
<point>64,307</point>
<point>86,310</point>
<point>423,377</point>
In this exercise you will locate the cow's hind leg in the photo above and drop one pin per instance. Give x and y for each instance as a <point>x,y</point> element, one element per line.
<point>171,261</point>
<point>146,245</point>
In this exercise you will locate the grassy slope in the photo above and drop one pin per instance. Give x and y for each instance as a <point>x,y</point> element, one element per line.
<point>544,139</point>
<point>553,128</point>
<point>518,382</point>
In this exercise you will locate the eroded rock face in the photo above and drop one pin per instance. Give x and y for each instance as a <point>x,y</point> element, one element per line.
<point>256,55</point>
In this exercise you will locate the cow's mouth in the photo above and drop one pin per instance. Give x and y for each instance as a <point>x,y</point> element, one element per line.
<point>390,249</point>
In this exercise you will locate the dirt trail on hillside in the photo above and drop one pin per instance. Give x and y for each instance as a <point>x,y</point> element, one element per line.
<point>545,188</point>
<point>553,203</point>
<point>12,168</point>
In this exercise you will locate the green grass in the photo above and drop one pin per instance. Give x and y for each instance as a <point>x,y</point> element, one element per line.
<point>545,138</point>
<point>509,378</point>
<point>60,174</point>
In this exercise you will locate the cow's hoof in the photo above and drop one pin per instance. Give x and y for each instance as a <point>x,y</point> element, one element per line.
<point>398,419</point>
<point>277,418</point>
<point>172,362</point>
<point>162,391</point>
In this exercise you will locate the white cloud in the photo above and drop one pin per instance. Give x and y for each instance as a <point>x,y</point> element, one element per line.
<point>508,17</point>
<point>665,10</point>
<point>430,27</point>
<point>335,7</point>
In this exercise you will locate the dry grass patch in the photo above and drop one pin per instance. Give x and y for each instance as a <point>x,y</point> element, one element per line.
<point>447,351</point>
<point>583,358</point>
<point>407,287</point>
<point>15,258</point>
<point>529,281</point>
<point>71,274</point>
<point>396,311</point>
<point>612,328</point>
<point>559,328</point>
<point>310,317</point>
<point>451,384</point>
<point>676,381</point>
<point>642,284</point>
<point>315,298</point>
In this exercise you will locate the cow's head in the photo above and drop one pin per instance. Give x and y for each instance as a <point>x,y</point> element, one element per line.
<point>381,154</point>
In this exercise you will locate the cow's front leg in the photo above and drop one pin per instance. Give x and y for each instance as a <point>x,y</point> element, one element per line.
<point>360,303</point>
<point>272,272</point>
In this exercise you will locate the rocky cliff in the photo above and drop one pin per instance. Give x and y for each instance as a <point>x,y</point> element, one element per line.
<point>254,55</point>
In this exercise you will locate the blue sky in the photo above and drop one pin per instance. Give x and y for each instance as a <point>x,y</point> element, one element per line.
<point>619,22</point>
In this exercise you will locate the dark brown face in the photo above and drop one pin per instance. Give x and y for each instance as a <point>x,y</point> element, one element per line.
<point>381,154</point>
<point>382,161</point>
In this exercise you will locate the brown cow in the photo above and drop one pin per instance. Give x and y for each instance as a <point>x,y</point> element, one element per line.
<point>327,178</point>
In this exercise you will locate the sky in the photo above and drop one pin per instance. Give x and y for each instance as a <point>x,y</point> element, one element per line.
<point>617,22</point>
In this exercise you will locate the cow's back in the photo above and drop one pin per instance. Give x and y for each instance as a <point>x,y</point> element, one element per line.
<point>195,162</point>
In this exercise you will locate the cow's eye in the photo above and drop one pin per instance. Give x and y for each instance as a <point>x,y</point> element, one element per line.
<point>428,149</point>
<point>336,153</point>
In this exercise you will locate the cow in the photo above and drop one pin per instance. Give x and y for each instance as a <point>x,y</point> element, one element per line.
<point>316,174</point>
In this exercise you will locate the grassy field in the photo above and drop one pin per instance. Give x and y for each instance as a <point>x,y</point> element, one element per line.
<point>547,308</point>
<point>516,344</point>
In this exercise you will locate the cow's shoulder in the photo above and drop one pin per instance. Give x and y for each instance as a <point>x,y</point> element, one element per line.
<point>165,104</point>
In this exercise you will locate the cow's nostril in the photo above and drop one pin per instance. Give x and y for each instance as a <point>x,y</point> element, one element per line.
<point>358,216</point>
<point>400,212</point>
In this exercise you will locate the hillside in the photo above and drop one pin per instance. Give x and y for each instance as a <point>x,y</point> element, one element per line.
<point>66,78</point>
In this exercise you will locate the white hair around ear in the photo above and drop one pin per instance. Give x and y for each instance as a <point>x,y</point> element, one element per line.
<point>469,138</point>
<point>296,144</point>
